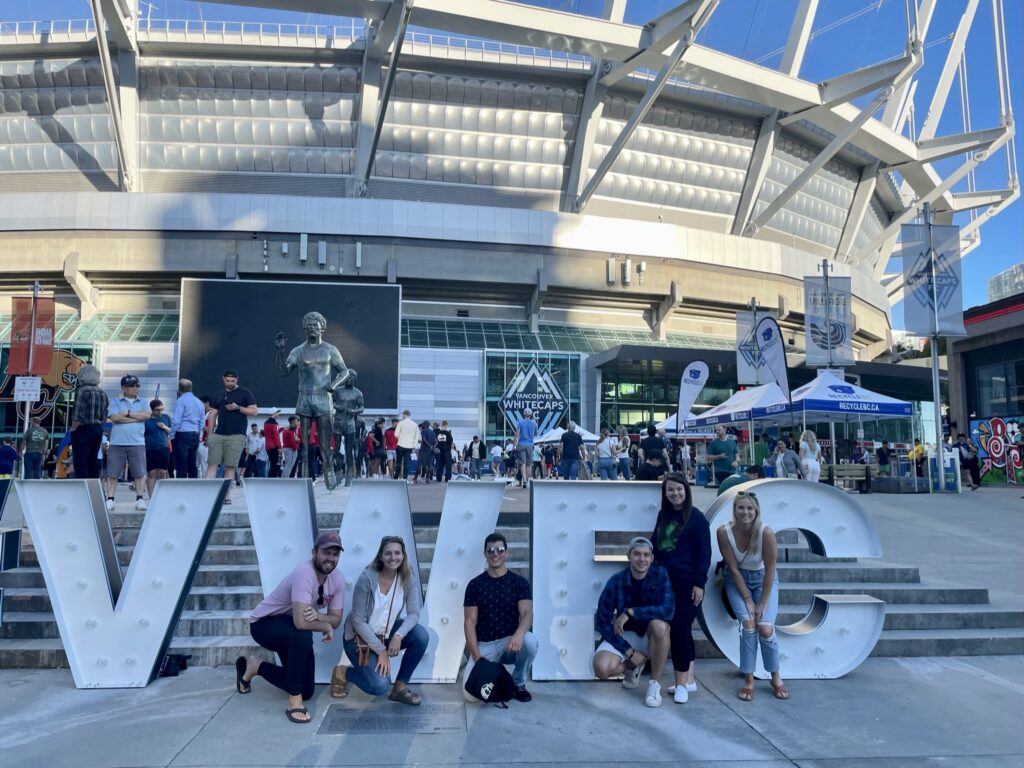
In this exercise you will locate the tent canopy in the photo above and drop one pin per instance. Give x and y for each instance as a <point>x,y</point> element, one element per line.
<point>669,425</point>
<point>555,436</point>
<point>828,396</point>
<point>741,406</point>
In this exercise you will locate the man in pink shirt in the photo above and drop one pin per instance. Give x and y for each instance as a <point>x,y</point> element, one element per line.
<point>310,599</point>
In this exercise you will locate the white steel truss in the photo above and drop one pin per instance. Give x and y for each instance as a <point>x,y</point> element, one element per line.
<point>125,167</point>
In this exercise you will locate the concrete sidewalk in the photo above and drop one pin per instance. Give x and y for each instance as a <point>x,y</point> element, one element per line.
<point>961,712</point>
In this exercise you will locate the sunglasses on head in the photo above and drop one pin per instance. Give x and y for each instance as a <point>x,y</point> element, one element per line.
<point>393,540</point>
<point>320,600</point>
<point>749,494</point>
<point>495,550</point>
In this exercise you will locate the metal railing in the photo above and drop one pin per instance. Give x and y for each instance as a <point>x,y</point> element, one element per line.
<point>262,33</point>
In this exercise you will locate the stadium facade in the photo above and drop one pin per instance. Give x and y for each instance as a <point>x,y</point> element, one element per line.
<point>593,196</point>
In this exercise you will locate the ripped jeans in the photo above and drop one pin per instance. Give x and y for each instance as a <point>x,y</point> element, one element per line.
<point>750,638</point>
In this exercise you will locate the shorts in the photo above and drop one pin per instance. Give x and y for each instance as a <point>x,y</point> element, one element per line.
<point>224,449</point>
<point>132,455</point>
<point>635,641</point>
<point>157,458</point>
<point>313,404</point>
<point>391,455</point>
<point>524,454</point>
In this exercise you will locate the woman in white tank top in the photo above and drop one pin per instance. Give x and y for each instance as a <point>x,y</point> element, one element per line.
<point>810,456</point>
<point>749,550</point>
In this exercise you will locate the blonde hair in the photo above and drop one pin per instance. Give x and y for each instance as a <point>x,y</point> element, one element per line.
<point>811,439</point>
<point>754,545</point>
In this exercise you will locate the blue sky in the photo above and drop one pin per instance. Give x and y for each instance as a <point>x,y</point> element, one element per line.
<point>754,30</point>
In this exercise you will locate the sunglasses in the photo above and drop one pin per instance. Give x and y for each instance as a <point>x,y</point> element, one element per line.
<point>749,494</point>
<point>320,600</point>
<point>495,550</point>
<point>393,540</point>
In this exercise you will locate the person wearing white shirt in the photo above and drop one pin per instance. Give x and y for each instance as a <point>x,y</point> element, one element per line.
<point>408,436</point>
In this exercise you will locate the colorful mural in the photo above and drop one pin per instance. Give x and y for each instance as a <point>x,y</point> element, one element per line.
<point>57,386</point>
<point>1000,448</point>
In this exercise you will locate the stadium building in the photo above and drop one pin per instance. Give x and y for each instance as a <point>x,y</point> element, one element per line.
<point>594,197</point>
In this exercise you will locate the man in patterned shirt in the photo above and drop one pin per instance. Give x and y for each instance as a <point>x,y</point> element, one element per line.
<point>91,406</point>
<point>498,610</point>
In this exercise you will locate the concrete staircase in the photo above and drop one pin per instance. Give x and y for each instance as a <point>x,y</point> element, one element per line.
<point>214,628</point>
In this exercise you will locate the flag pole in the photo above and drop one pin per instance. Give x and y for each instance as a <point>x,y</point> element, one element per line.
<point>940,453</point>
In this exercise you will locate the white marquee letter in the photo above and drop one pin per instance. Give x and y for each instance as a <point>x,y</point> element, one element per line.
<point>116,634</point>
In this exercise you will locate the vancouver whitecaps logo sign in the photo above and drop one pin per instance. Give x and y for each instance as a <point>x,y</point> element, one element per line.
<point>946,280</point>
<point>536,389</point>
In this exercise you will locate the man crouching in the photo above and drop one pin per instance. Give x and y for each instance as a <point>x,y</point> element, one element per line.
<point>633,618</point>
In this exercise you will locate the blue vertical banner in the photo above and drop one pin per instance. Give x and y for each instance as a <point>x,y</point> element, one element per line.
<point>773,351</point>
<point>828,321</point>
<point>695,376</point>
<point>922,293</point>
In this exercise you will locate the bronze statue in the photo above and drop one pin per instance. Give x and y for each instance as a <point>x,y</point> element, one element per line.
<point>321,371</point>
<point>348,404</point>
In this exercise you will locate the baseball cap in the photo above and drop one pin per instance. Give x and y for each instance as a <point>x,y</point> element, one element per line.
<point>640,541</point>
<point>328,540</point>
<point>129,381</point>
<point>527,412</point>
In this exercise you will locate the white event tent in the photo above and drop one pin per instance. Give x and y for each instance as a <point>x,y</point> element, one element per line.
<point>669,425</point>
<point>741,406</point>
<point>555,436</point>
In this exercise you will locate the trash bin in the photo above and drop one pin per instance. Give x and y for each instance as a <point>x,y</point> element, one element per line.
<point>702,476</point>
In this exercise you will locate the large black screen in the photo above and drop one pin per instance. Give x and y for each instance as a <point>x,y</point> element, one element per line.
<point>231,324</point>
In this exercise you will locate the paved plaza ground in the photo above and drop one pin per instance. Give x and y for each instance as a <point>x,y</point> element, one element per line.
<point>889,713</point>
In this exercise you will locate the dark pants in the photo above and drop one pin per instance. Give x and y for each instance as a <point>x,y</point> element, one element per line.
<point>184,447</point>
<point>275,461</point>
<point>366,678</point>
<point>402,462</point>
<point>294,647</point>
<point>683,650</point>
<point>971,465</point>
<point>444,466</point>
<point>720,476</point>
<point>85,449</point>
<point>33,465</point>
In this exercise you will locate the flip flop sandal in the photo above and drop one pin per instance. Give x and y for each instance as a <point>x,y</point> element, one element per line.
<point>781,692</point>
<point>241,685</point>
<point>291,715</point>
<point>746,694</point>
<point>339,685</point>
<point>405,696</point>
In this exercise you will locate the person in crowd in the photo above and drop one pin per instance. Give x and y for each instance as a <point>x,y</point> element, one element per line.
<point>526,431</point>
<point>391,446</point>
<point>511,459</point>
<point>254,443</point>
<point>623,445</point>
<point>884,456</point>
<point>128,415</point>
<point>969,460</point>
<point>722,455</point>
<point>918,455</point>
<point>477,454</point>
<point>8,457</point>
<point>425,458</point>
<point>89,415</point>
<point>652,468</point>
<point>606,460</point>
<point>498,608</point>
<point>263,457</point>
<point>810,456</point>
<point>34,443</point>
<point>762,449</point>
<point>682,544</point>
<point>571,452</point>
<point>50,463</point>
<point>290,446</point>
<point>383,622</point>
<point>749,550</point>
<point>309,599</point>
<point>408,436</point>
<point>633,615</point>
<point>787,463</point>
<point>187,424</point>
<point>272,444</point>
<point>445,443</point>
<point>203,451</point>
<point>538,470</point>
<point>232,407</point>
<point>548,455</point>
<point>496,459</point>
<point>753,472</point>
<point>158,446</point>
<point>653,445</point>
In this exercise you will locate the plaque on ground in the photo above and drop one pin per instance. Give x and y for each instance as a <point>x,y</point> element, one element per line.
<point>426,718</point>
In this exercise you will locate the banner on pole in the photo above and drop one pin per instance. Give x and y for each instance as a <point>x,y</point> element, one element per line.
<point>828,321</point>
<point>773,351</point>
<point>695,376</point>
<point>921,296</point>
<point>24,335</point>
<point>749,364</point>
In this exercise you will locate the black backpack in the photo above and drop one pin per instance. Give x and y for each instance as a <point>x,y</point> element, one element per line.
<point>490,682</point>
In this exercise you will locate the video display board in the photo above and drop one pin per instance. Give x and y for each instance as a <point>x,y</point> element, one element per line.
<point>231,324</point>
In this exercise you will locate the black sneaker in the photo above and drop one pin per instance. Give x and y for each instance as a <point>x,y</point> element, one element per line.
<point>522,694</point>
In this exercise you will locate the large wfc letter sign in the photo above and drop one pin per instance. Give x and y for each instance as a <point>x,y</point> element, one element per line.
<point>116,634</point>
<point>839,631</point>
<point>283,520</point>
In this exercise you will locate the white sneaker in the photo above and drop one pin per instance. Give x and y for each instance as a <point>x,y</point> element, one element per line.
<point>653,698</point>
<point>140,505</point>
<point>681,694</point>
<point>110,505</point>
<point>631,678</point>
<point>691,687</point>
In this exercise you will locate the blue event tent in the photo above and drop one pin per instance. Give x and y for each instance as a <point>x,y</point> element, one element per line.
<point>828,396</point>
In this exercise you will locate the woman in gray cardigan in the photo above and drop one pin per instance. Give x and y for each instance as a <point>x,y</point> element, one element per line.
<point>384,592</point>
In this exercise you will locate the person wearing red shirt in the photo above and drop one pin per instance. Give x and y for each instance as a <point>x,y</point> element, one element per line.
<point>391,446</point>
<point>272,438</point>
<point>290,442</point>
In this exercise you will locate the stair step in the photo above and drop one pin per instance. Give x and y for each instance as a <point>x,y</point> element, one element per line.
<point>918,616</point>
<point>890,593</point>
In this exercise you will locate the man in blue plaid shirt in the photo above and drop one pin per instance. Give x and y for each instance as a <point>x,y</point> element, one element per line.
<point>633,618</point>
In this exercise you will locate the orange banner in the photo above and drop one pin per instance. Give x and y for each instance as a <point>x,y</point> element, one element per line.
<point>24,335</point>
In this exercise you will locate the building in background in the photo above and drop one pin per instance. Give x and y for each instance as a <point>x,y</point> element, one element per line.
<point>1007,283</point>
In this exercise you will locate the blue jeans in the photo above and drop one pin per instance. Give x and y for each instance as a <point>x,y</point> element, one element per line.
<point>749,638</point>
<point>366,678</point>
<point>569,468</point>
<point>606,468</point>
<point>184,446</point>
<point>624,467</point>
<point>497,651</point>
<point>33,465</point>
<point>474,469</point>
